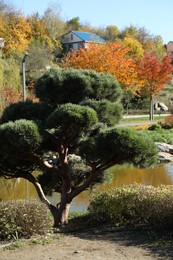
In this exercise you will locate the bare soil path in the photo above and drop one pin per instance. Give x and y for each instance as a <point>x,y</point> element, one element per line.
<point>99,244</point>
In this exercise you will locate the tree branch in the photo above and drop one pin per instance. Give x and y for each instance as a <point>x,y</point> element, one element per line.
<point>94,174</point>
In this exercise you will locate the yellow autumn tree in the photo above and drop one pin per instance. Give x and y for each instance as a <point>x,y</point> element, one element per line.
<point>39,30</point>
<point>17,34</point>
<point>135,46</point>
<point>112,58</point>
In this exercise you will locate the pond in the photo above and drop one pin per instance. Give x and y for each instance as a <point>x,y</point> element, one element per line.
<point>122,175</point>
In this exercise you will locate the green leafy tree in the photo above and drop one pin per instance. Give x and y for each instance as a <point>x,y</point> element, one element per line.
<point>66,136</point>
<point>39,58</point>
<point>74,24</point>
<point>130,31</point>
<point>54,25</point>
<point>112,32</point>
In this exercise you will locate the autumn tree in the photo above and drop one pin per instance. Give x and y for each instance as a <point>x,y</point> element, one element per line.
<point>111,33</point>
<point>55,26</point>
<point>155,46</point>
<point>74,24</point>
<point>112,58</point>
<point>38,28</point>
<point>129,31</point>
<point>136,49</point>
<point>38,60</point>
<point>10,82</point>
<point>155,73</point>
<point>17,34</point>
<point>159,48</point>
<point>148,42</point>
<point>69,136</point>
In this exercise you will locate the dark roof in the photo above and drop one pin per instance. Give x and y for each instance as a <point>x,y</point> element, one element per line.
<point>88,37</point>
<point>169,42</point>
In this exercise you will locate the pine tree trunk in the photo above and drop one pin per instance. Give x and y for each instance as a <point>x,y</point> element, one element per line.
<point>63,212</point>
<point>59,213</point>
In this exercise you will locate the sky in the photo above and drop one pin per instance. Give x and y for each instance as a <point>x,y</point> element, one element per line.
<point>154,15</point>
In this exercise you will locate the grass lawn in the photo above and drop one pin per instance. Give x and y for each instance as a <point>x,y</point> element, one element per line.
<point>142,119</point>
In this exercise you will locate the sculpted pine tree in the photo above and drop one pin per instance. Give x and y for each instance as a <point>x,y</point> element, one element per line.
<point>69,136</point>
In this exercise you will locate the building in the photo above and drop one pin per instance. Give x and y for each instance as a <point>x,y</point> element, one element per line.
<point>75,40</point>
<point>169,49</point>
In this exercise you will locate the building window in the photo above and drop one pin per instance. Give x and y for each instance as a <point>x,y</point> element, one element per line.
<point>71,37</point>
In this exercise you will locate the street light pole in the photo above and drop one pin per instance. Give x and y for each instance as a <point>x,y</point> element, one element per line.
<point>23,77</point>
<point>24,99</point>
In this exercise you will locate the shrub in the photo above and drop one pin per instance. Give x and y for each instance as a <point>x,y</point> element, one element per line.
<point>23,219</point>
<point>154,127</point>
<point>140,127</point>
<point>168,122</point>
<point>136,205</point>
<point>161,135</point>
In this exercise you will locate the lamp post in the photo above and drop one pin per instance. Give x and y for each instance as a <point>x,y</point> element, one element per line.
<point>23,77</point>
<point>24,99</point>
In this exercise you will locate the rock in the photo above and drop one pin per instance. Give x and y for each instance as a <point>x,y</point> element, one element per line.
<point>160,106</point>
<point>156,106</point>
<point>163,147</point>
<point>163,106</point>
<point>165,157</point>
<point>165,152</point>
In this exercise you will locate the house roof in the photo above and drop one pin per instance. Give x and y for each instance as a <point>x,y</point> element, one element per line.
<point>88,37</point>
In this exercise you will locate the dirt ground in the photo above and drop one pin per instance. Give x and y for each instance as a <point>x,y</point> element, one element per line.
<point>98,244</point>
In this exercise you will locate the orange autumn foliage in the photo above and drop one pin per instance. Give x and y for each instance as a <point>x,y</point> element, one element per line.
<point>8,95</point>
<point>155,73</point>
<point>112,58</point>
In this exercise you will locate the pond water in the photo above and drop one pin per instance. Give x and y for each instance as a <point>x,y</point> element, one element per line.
<point>16,189</point>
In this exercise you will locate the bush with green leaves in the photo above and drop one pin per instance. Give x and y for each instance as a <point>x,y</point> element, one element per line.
<point>135,205</point>
<point>160,135</point>
<point>23,219</point>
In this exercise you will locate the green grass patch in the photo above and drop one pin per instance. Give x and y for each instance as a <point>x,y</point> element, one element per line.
<point>142,119</point>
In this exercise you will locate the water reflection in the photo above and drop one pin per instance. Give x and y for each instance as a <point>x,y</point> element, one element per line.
<point>16,189</point>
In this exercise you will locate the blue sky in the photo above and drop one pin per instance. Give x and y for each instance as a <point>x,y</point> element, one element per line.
<point>154,15</point>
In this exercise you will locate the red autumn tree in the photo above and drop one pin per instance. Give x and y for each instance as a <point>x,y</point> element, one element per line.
<point>155,73</point>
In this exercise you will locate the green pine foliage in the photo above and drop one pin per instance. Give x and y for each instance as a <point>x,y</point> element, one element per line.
<point>23,135</point>
<point>119,144</point>
<point>73,86</point>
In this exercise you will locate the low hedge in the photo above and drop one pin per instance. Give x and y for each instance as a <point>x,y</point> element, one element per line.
<point>22,219</point>
<point>135,205</point>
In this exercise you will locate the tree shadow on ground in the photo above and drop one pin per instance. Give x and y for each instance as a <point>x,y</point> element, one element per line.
<point>158,243</point>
